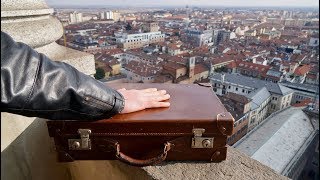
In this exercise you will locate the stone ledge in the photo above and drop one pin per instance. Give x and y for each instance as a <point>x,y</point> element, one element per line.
<point>13,5</point>
<point>82,61</point>
<point>238,166</point>
<point>34,32</point>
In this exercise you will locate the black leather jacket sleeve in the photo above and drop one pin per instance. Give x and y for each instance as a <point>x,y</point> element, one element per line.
<point>33,85</point>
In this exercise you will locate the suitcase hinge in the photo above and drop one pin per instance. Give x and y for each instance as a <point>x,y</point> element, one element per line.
<point>83,143</point>
<point>201,142</point>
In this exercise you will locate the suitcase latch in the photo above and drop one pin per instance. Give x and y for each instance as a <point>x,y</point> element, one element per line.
<point>201,142</point>
<point>83,143</point>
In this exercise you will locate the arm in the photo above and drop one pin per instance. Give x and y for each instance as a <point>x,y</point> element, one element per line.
<point>33,85</point>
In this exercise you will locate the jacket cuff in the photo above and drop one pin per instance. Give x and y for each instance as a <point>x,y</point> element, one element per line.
<point>118,104</point>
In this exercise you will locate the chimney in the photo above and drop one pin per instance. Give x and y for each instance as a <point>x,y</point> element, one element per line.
<point>254,60</point>
<point>222,77</point>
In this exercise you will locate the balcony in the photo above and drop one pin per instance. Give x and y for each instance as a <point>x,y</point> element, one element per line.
<point>27,151</point>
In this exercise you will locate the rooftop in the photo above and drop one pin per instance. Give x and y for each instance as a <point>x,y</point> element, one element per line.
<point>276,141</point>
<point>275,88</point>
<point>258,97</point>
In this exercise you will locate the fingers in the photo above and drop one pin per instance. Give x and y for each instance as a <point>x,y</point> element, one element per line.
<point>157,104</point>
<point>150,90</point>
<point>161,97</point>
<point>156,93</point>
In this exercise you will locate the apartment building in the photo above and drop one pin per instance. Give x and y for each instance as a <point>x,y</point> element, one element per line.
<point>260,100</point>
<point>239,107</point>
<point>199,37</point>
<point>132,41</point>
<point>302,92</point>
<point>280,95</point>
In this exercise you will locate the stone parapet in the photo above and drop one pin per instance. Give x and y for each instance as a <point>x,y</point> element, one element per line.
<point>30,22</point>
<point>26,149</point>
<point>82,61</point>
<point>237,166</point>
<point>36,32</point>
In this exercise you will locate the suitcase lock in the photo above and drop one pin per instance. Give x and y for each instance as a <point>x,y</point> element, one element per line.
<point>201,142</point>
<point>83,143</point>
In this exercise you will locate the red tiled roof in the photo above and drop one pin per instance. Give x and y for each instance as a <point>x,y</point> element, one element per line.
<point>221,59</point>
<point>162,79</point>
<point>302,70</point>
<point>232,65</point>
<point>173,47</point>
<point>173,66</point>
<point>178,59</point>
<point>113,62</point>
<point>113,51</point>
<point>304,102</point>
<point>200,68</point>
<point>249,66</point>
<point>312,76</point>
<point>106,68</point>
<point>141,68</point>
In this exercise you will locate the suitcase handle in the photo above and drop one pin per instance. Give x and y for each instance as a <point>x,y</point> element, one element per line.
<point>145,162</point>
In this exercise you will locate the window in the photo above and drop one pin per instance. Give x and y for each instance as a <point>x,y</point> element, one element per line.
<point>236,89</point>
<point>243,90</point>
<point>229,87</point>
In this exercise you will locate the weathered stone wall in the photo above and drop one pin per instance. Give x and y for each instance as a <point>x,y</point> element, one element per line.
<point>26,149</point>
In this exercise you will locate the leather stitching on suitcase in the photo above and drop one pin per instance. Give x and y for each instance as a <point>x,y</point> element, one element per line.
<point>132,134</point>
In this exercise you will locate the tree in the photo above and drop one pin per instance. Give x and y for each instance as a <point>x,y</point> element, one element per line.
<point>100,74</point>
<point>128,27</point>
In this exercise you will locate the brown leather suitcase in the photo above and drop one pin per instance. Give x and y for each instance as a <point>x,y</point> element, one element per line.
<point>194,128</point>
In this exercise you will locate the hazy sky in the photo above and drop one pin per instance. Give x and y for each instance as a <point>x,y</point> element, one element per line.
<point>296,3</point>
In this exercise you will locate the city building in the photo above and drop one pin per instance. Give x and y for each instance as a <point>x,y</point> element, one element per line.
<point>281,96</point>
<point>132,41</point>
<point>199,37</point>
<point>116,16</point>
<point>138,71</point>
<point>220,36</point>
<point>285,142</point>
<point>109,15</point>
<point>75,17</point>
<point>239,107</point>
<point>102,15</point>
<point>260,101</point>
<point>302,92</point>
<point>314,41</point>
<point>185,71</point>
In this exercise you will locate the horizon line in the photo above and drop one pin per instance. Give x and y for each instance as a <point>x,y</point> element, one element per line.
<point>208,6</point>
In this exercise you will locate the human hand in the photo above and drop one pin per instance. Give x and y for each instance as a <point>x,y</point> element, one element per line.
<point>136,100</point>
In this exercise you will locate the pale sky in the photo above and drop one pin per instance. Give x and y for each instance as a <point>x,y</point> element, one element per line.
<point>296,3</point>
